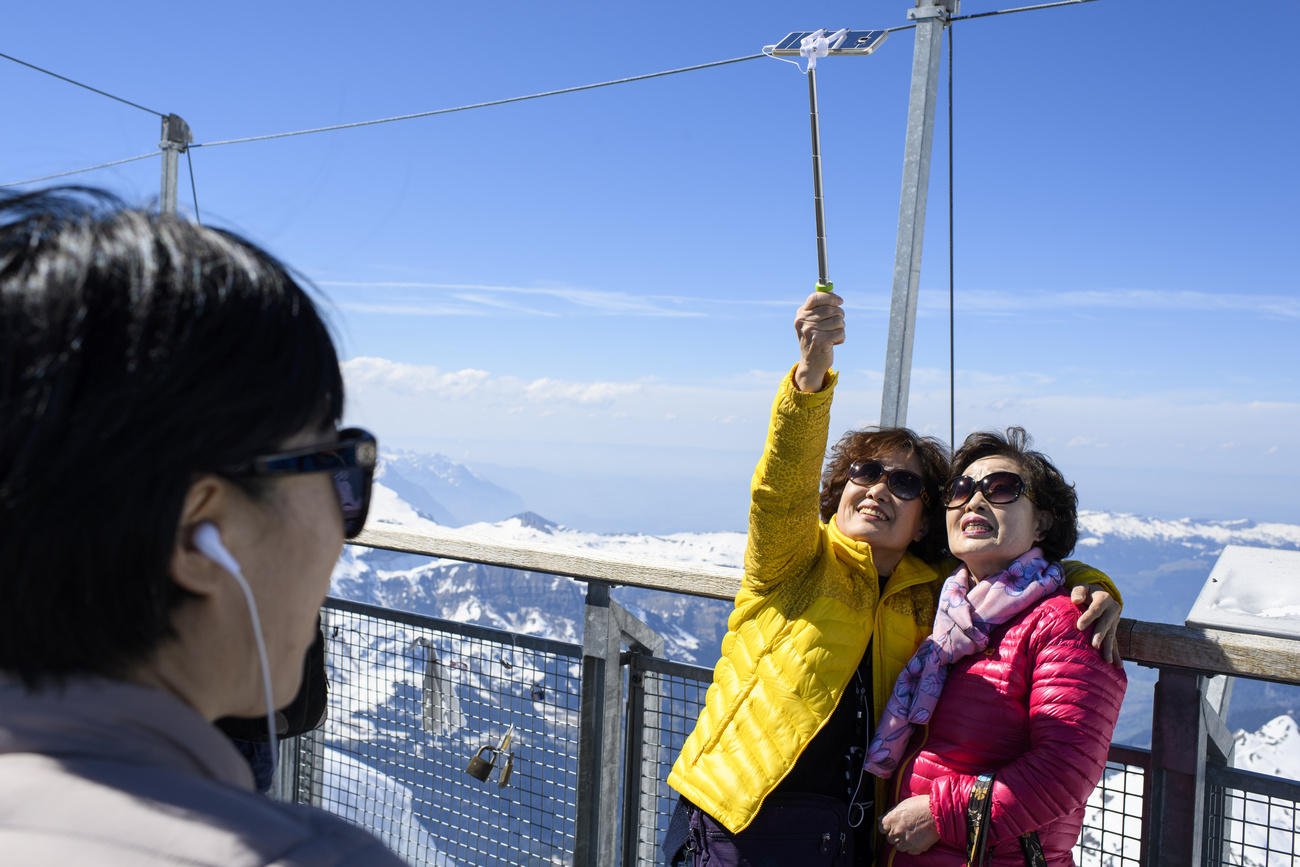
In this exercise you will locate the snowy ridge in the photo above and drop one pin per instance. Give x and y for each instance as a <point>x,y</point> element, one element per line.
<point>710,550</point>
<point>1273,750</point>
<point>1095,527</point>
<point>443,490</point>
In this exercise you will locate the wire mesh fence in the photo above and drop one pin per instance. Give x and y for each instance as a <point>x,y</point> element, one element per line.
<point>1112,829</point>
<point>673,694</point>
<point>1252,819</point>
<point>414,702</point>
<point>1112,824</point>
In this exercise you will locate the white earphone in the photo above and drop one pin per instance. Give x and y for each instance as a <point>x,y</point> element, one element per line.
<point>207,538</point>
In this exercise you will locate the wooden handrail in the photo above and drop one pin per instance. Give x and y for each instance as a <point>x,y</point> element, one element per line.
<point>1159,645</point>
<point>1213,651</point>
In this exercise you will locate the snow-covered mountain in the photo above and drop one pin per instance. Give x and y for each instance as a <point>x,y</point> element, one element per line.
<point>443,490</point>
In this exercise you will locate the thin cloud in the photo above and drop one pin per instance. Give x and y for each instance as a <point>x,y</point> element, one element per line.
<point>407,309</point>
<point>469,299</point>
<point>587,300</point>
<point>400,378</point>
<point>1173,301</point>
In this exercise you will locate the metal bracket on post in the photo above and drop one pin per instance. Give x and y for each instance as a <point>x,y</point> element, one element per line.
<point>931,18</point>
<point>606,626</point>
<point>176,140</point>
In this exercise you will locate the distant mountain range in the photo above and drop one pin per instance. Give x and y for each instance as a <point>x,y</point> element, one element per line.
<point>1159,565</point>
<point>444,491</point>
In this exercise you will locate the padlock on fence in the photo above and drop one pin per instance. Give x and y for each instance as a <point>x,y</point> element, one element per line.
<point>480,768</point>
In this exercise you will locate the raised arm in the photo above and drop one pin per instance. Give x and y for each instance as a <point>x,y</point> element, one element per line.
<point>783,510</point>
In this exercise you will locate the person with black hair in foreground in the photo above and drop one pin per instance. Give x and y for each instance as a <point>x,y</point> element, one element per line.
<point>174,493</point>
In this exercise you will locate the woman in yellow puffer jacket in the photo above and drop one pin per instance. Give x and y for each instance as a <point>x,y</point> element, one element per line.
<point>842,573</point>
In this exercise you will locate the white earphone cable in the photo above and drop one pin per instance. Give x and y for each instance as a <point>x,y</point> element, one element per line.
<point>208,540</point>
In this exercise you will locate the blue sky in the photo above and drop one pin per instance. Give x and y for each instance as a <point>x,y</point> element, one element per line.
<point>590,296</point>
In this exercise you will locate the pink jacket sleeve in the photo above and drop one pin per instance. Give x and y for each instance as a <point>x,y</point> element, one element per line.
<point>1074,701</point>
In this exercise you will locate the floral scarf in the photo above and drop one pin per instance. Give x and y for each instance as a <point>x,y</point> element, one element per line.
<point>966,616</point>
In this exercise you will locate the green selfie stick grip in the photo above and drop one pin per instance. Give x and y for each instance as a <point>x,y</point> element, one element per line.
<point>825,287</point>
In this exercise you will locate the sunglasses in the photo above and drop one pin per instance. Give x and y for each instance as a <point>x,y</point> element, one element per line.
<point>350,463</point>
<point>904,484</point>
<point>998,488</point>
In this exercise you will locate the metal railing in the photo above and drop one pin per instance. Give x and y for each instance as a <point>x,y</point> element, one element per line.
<point>1251,819</point>
<point>595,729</point>
<point>412,701</point>
<point>1112,833</point>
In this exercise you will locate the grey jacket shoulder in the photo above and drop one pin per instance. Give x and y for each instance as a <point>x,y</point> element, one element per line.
<point>67,813</point>
<point>109,773</point>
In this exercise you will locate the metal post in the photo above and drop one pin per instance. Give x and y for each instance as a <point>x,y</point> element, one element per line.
<point>931,17</point>
<point>606,625</point>
<point>1175,820</point>
<point>1222,744</point>
<point>175,139</point>
<point>642,749</point>
<point>596,832</point>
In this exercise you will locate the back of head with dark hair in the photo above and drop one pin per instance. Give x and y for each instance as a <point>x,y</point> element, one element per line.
<point>136,352</point>
<point>1044,484</point>
<point>872,442</point>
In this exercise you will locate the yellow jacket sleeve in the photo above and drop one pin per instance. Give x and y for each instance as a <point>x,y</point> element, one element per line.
<point>1077,573</point>
<point>783,536</point>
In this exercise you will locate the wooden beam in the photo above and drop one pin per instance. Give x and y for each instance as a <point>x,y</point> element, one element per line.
<point>1193,648</point>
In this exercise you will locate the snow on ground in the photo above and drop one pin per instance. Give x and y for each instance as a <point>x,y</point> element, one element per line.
<point>352,787</point>
<point>1264,833</point>
<point>1252,590</point>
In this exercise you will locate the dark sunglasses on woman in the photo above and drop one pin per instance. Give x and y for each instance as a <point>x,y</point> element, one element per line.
<point>904,484</point>
<point>350,462</point>
<point>998,488</point>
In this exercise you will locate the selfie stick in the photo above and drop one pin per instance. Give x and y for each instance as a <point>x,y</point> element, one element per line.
<point>814,45</point>
<point>823,284</point>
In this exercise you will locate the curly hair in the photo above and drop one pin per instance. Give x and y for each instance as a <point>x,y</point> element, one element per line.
<point>1046,488</point>
<point>870,442</point>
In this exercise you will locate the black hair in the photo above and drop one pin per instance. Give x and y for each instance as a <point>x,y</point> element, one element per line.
<point>1046,488</point>
<point>137,352</point>
<point>872,442</point>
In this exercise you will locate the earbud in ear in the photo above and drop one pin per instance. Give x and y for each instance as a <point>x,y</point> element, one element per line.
<point>207,538</point>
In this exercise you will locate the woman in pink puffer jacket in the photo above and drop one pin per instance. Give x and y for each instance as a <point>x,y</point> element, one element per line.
<point>1005,686</point>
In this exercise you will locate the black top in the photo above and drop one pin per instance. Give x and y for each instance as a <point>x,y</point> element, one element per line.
<point>831,764</point>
